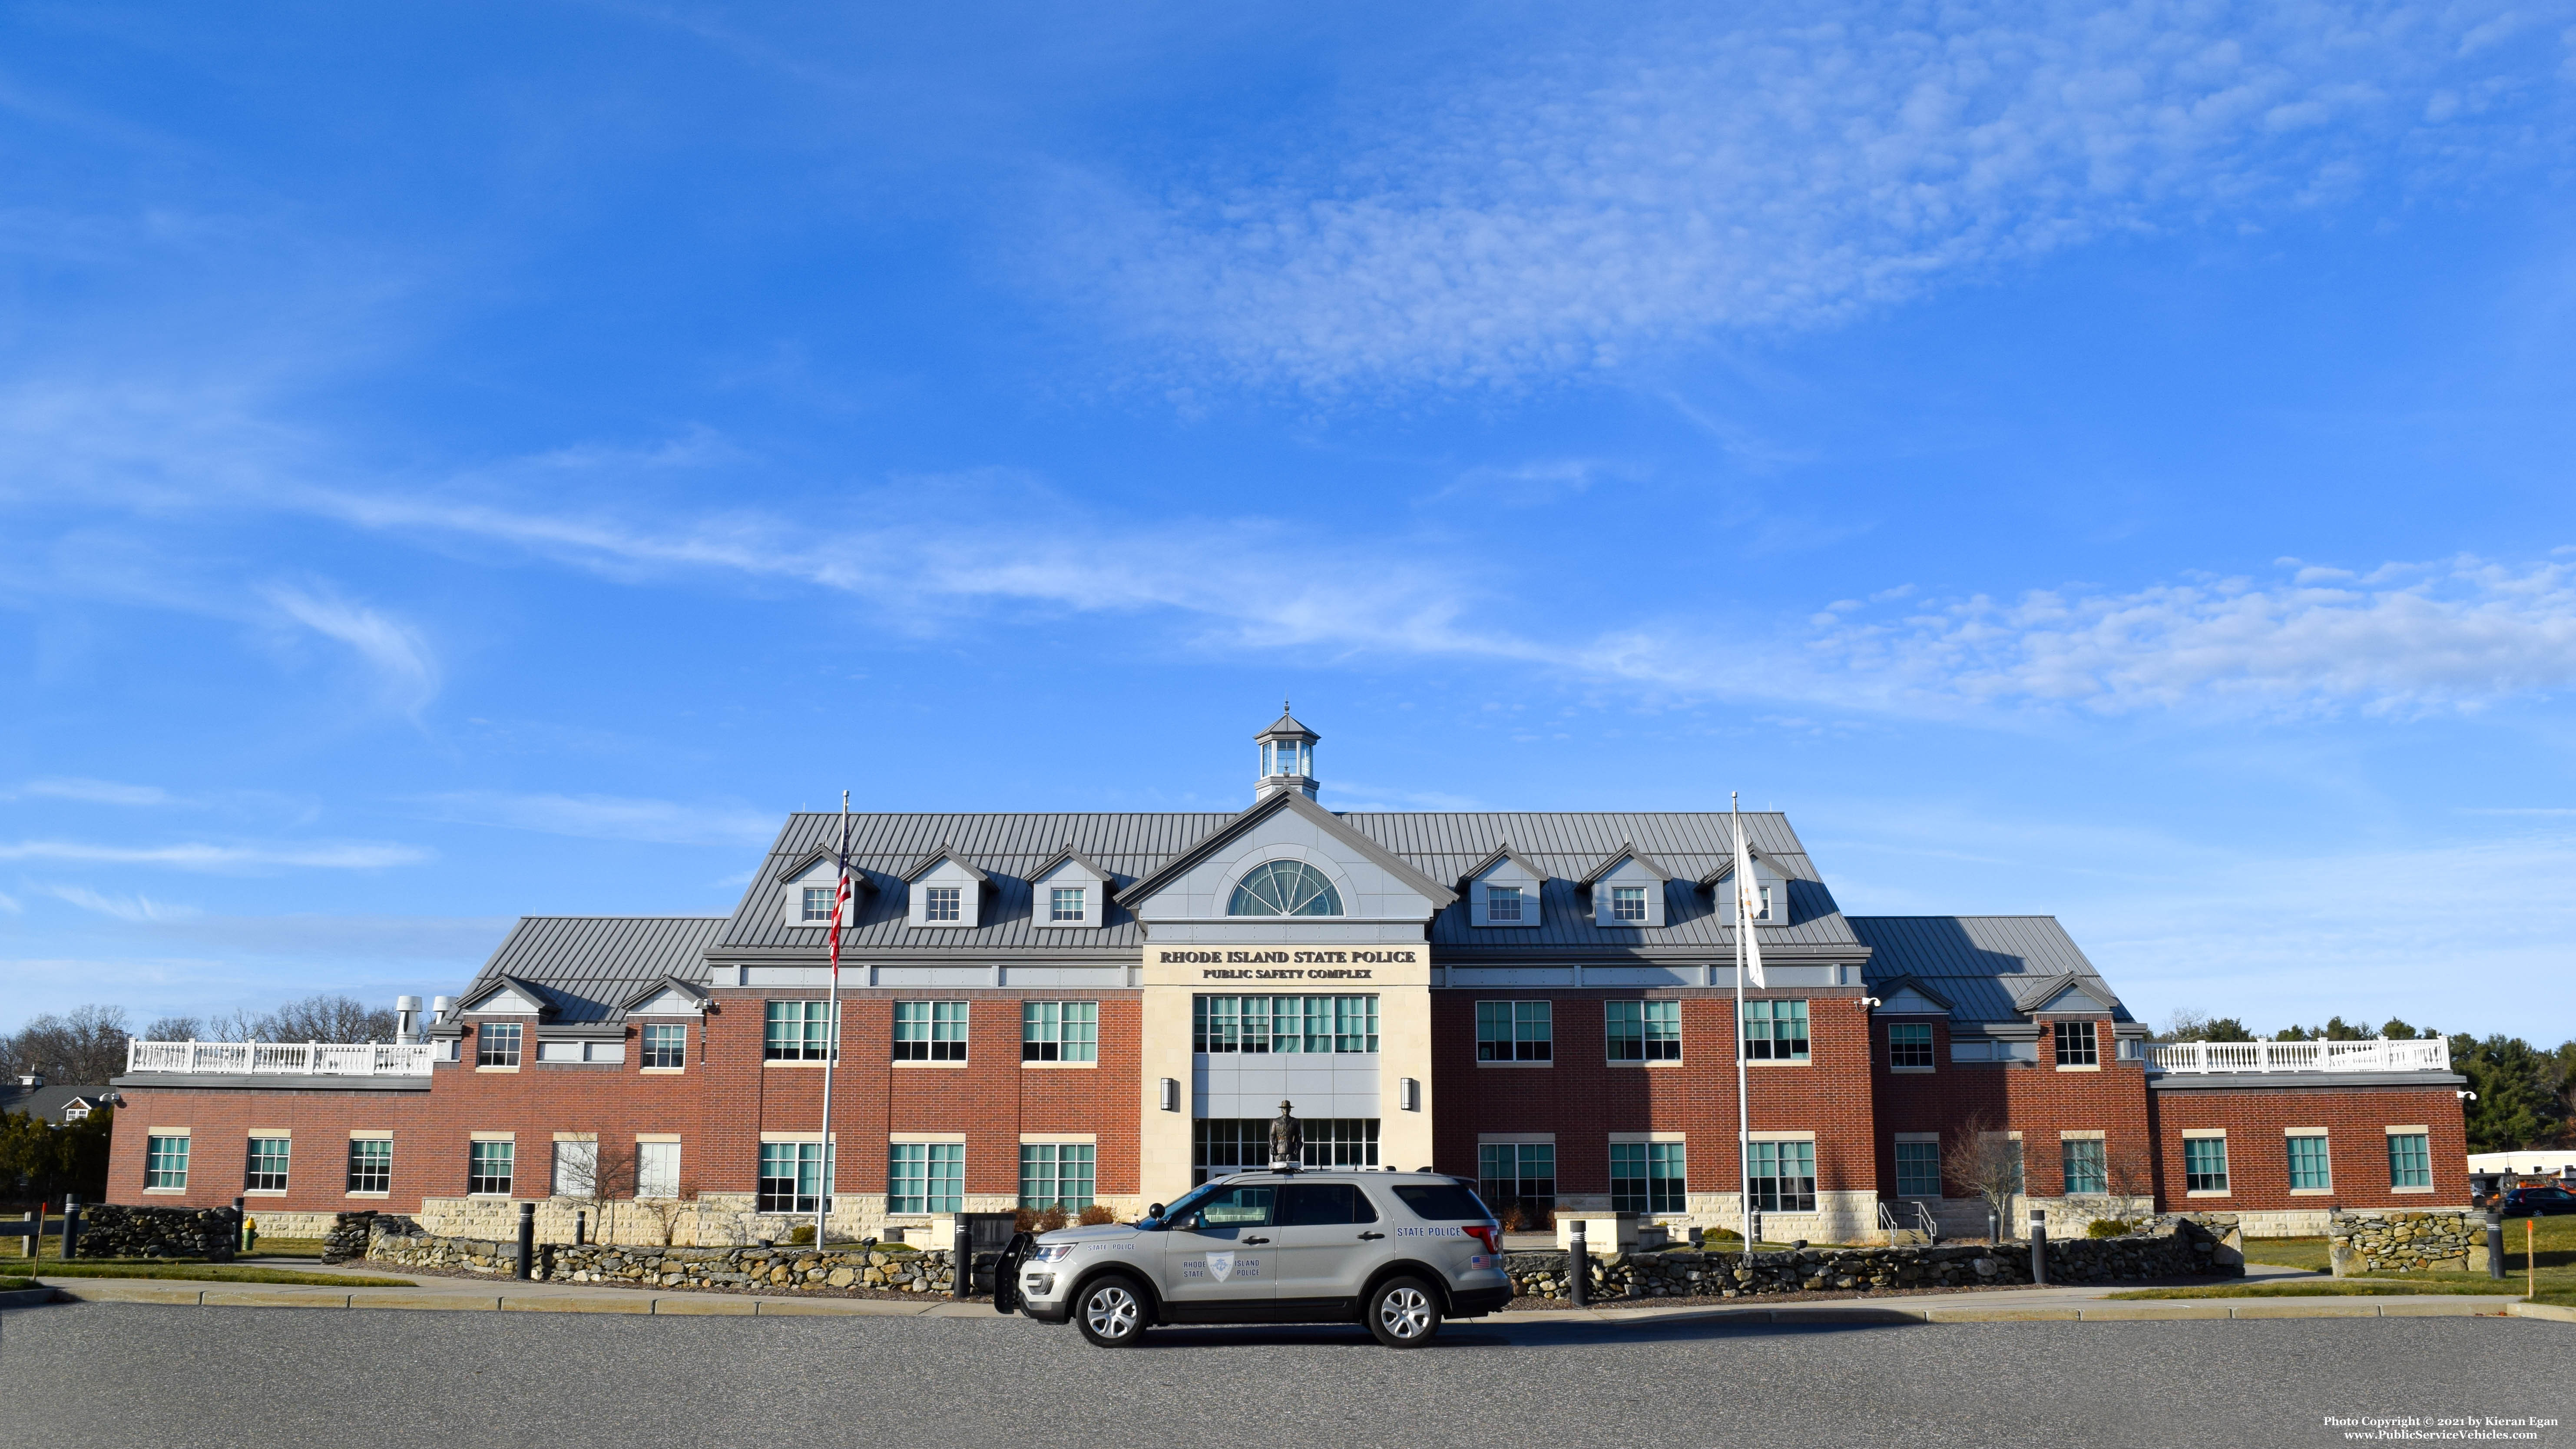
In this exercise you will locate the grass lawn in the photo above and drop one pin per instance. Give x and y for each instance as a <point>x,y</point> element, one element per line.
<point>2552,1240</point>
<point>12,1285</point>
<point>2454,1283</point>
<point>208,1273</point>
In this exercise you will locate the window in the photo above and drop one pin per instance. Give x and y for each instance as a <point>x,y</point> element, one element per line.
<point>1503,904</point>
<point>1323,1205</point>
<point>165,1162</point>
<point>1065,903</point>
<point>1235,1207</point>
<point>1219,1145</point>
<point>2310,1164</point>
<point>2204,1164</point>
<point>371,1164</point>
<point>2410,1159</point>
<point>930,1031</point>
<point>1515,1031</point>
<point>267,1164</point>
<point>791,1177</point>
<point>1283,1024</point>
<point>925,1177</point>
<point>1057,1174</point>
<point>1644,1031</point>
<point>1784,1177</point>
<point>1909,1045</point>
<point>1918,1169</point>
<point>576,1168</point>
<point>657,1169</point>
<point>796,1031</point>
<point>1646,1177</point>
<point>666,1047</point>
<point>1059,1031</point>
<point>1443,1203</point>
<point>2085,1167</point>
<point>1775,1031</point>
<point>1628,903</point>
<point>2076,1046</point>
<point>487,1167</point>
<point>1518,1175</point>
<point>1285,888</point>
<point>817,903</point>
<point>943,903</point>
<point>496,1044</point>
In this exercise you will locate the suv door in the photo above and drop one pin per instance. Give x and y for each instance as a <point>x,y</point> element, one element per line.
<point>1219,1254</point>
<point>1329,1238</point>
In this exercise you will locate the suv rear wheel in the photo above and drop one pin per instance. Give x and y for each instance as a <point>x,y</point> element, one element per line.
<point>1404,1313</point>
<point>1111,1311</point>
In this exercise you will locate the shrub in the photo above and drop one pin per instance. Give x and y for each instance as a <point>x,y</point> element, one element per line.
<point>1096,1214</point>
<point>2110,1228</point>
<point>802,1234</point>
<point>1025,1220</point>
<point>1721,1235</point>
<point>1053,1218</point>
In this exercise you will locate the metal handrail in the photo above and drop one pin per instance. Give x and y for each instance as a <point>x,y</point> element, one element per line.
<point>279,1059</point>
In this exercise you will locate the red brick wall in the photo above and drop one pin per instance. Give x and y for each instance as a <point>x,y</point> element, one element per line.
<point>1582,1097</point>
<point>2258,1166</point>
<point>2038,1101</point>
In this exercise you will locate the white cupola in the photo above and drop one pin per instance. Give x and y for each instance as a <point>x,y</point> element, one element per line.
<point>1287,757</point>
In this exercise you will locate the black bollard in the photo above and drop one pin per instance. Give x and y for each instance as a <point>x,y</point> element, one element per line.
<point>1578,1268</point>
<point>71,1226</point>
<point>580,1228</point>
<point>2039,1247</point>
<point>527,1240</point>
<point>2495,1244</point>
<point>961,1261</point>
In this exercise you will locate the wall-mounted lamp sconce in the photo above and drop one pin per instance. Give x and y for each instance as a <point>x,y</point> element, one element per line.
<point>1409,1094</point>
<point>1171,1094</point>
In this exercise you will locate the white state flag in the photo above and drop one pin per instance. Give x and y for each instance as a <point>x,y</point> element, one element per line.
<point>1748,902</point>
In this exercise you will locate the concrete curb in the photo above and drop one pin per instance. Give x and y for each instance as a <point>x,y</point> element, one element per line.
<point>26,1297</point>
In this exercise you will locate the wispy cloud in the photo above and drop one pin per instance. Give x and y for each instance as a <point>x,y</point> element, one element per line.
<point>406,671</point>
<point>607,817</point>
<point>346,855</point>
<point>123,908</point>
<point>1658,180</point>
<point>96,792</point>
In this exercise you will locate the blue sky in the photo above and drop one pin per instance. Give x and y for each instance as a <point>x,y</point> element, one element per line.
<point>2109,463</point>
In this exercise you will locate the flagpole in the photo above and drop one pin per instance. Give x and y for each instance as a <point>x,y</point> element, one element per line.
<point>832,1042</point>
<point>1743,1104</point>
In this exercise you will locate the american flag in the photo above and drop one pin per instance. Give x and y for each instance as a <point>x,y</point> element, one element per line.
<point>841,903</point>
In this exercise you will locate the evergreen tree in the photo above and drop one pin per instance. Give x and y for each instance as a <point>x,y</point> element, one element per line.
<point>2519,1100</point>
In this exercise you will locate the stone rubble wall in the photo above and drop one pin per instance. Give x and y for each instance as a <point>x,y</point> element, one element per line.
<point>2178,1247</point>
<point>399,1242</point>
<point>2394,1241</point>
<point>110,1231</point>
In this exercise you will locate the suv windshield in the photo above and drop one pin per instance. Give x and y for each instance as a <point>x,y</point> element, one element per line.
<point>1444,1202</point>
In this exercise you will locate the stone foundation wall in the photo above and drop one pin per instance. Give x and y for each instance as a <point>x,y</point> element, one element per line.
<point>110,1231</point>
<point>2392,1241</point>
<point>270,1224</point>
<point>2178,1248</point>
<point>399,1242</point>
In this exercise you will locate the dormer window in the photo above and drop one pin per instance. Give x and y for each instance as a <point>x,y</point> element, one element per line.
<point>1503,904</point>
<point>1065,903</point>
<point>943,903</point>
<point>1628,903</point>
<point>818,904</point>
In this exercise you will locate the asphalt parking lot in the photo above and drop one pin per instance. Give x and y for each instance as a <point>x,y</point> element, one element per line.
<point>131,1374</point>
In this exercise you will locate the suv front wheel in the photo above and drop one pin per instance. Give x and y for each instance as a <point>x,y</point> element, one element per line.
<point>1404,1313</point>
<point>1111,1311</point>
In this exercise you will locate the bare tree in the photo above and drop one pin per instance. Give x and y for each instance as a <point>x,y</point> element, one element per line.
<point>2128,1187</point>
<point>1980,1157</point>
<point>665,1213</point>
<point>598,1175</point>
<point>86,1046</point>
<point>330,1018</point>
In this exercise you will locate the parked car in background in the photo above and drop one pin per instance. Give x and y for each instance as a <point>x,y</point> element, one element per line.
<point>2538,1202</point>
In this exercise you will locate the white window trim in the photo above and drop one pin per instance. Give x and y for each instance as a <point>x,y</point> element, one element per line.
<point>1543,1139</point>
<point>2190,1132</point>
<point>165,1131</point>
<point>657,1136</point>
<point>1628,1138</point>
<point>2391,1131</point>
<point>2305,1132</point>
<point>2089,1134</point>
<point>491,1136</point>
<point>1932,1137</point>
<point>899,1138</point>
<point>1064,1139</point>
<point>1785,1137</point>
<point>370,1134</point>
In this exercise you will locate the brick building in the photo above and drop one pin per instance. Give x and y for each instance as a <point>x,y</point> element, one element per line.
<point>1080,1008</point>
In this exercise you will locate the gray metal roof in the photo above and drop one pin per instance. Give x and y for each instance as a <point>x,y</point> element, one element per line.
<point>1442,846</point>
<point>1981,963</point>
<point>47,1102</point>
<point>588,967</point>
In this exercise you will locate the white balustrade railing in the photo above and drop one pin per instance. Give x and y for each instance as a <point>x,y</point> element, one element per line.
<point>2431,1054</point>
<point>279,1059</point>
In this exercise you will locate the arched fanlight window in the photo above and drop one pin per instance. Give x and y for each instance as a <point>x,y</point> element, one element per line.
<point>1285,888</point>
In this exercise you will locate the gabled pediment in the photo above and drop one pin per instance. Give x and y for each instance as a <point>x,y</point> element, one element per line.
<point>1503,855</point>
<point>670,996</point>
<point>2069,995</point>
<point>1326,826</point>
<point>1625,854</point>
<point>948,856</point>
<point>806,865</point>
<point>509,996</point>
<point>1907,996</point>
<point>1067,862</point>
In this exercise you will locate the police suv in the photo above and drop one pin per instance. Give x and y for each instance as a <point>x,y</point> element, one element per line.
<point>1397,1251</point>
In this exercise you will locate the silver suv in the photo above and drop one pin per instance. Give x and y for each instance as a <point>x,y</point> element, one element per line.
<point>1397,1251</point>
